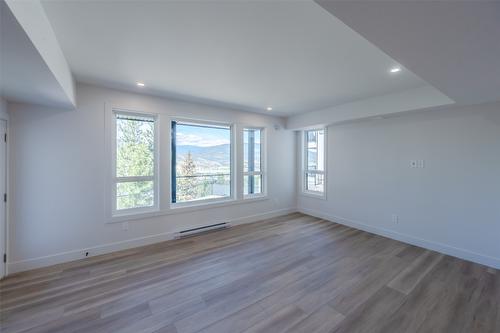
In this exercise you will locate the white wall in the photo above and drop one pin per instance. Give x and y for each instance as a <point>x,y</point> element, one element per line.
<point>452,205</point>
<point>58,179</point>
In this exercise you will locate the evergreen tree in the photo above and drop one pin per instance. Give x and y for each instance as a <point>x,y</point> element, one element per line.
<point>134,157</point>
<point>187,184</point>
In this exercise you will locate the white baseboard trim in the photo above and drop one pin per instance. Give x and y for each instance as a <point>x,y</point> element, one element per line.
<point>430,245</point>
<point>262,216</point>
<point>58,258</point>
<point>62,257</point>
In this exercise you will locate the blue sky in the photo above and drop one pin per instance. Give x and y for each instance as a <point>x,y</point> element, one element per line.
<point>202,136</point>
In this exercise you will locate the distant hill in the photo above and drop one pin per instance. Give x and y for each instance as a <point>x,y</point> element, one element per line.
<point>205,158</point>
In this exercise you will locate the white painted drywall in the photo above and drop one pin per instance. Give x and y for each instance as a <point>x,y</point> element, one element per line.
<point>249,54</point>
<point>58,177</point>
<point>452,45</point>
<point>32,18</point>
<point>451,205</point>
<point>404,101</point>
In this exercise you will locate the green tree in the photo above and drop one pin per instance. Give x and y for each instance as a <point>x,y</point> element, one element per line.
<point>134,157</point>
<point>187,184</point>
<point>135,148</point>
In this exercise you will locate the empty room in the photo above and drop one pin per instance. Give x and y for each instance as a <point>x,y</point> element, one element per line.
<point>227,166</point>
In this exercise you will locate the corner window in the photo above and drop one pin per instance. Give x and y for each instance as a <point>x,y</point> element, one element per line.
<point>134,162</point>
<point>314,161</point>
<point>253,176</point>
<point>201,162</point>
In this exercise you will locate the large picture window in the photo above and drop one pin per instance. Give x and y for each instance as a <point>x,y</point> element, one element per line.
<point>201,161</point>
<point>314,161</point>
<point>253,177</point>
<point>135,161</point>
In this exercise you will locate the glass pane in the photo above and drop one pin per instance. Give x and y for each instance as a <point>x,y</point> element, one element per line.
<point>315,182</point>
<point>134,194</point>
<point>190,188</point>
<point>252,184</point>
<point>315,143</point>
<point>134,146</point>
<point>203,162</point>
<point>251,149</point>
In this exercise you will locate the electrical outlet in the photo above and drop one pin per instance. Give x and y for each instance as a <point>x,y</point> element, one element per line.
<point>125,226</point>
<point>417,164</point>
<point>395,218</point>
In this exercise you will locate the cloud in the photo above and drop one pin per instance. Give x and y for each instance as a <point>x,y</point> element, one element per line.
<point>184,139</point>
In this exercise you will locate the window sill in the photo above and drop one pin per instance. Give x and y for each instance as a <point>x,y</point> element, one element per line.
<point>254,196</point>
<point>315,195</point>
<point>180,209</point>
<point>198,204</point>
<point>201,205</point>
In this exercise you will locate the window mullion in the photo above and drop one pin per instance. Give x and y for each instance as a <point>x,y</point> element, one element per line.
<point>252,173</point>
<point>319,172</point>
<point>173,184</point>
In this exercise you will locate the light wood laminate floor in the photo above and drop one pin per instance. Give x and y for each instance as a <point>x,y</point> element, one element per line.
<point>294,273</point>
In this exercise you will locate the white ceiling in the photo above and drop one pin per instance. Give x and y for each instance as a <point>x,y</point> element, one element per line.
<point>453,45</point>
<point>294,56</point>
<point>24,74</point>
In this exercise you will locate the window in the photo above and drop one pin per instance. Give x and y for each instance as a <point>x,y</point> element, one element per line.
<point>197,169</point>
<point>314,161</point>
<point>201,162</point>
<point>252,162</point>
<point>134,162</point>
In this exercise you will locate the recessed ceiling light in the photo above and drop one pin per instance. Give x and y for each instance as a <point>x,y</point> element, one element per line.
<point>395,69</point>
<point>269,108</point>
<point>140,84</point>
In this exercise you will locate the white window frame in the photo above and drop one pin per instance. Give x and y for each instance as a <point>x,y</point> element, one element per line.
<point>232,177</point>
<point>162,172</point>
<point>305,171</point>
<point>115,180</point>
<point>263,163</point>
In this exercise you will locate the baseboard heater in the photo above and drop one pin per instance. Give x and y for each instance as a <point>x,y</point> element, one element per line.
<point>199,230</point>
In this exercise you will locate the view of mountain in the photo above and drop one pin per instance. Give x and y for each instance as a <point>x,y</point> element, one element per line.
<point>206,158</point>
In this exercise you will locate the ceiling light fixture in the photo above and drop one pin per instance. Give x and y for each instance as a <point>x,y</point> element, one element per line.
<point>140,84</point>
<point>395,69</point>
<point>269,108</point>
